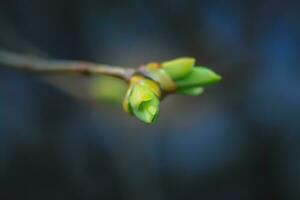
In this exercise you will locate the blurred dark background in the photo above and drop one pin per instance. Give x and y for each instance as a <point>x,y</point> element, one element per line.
<point>240,140</point>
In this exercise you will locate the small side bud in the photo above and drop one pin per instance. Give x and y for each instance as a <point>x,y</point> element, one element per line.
<point>199,76</point>
<point>178,68</point>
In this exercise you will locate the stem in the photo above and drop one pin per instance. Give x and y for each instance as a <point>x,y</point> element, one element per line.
<point>61,67</point>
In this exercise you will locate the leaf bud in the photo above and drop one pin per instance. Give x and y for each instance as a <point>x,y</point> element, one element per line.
<point>178,68</point>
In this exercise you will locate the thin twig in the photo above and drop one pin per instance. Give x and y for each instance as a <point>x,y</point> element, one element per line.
<point>61,67</point>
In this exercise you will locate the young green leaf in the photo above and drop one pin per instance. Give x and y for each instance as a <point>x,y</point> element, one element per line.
<point>199,76</point>
<point>179,67</point>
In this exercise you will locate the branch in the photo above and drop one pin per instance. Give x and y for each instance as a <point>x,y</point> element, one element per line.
<point>61,67</point>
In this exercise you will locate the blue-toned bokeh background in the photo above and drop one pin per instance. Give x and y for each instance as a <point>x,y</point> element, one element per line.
<point>238,141</point>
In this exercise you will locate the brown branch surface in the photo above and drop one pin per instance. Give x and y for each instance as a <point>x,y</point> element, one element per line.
<point>61,67</point>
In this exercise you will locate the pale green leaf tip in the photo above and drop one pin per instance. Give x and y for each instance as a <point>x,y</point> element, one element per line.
<point>213,75</point>
<point>216,77</point>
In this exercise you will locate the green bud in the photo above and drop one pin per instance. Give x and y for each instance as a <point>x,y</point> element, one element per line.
<point>199,76</point>
<point>143,103</point>
<point>142,99</point>
<point>191,91</point>
<point>178,68</point>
